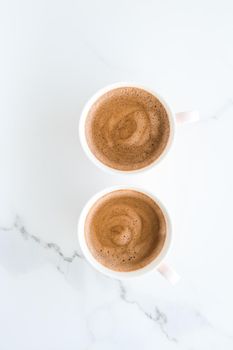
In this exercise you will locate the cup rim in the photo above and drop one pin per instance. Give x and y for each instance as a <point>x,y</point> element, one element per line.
<point>94,98</point>
<point>152,266</point>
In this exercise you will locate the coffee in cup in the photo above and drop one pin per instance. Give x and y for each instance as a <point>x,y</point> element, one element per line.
<point>125,230</point>
<point>127,128</point>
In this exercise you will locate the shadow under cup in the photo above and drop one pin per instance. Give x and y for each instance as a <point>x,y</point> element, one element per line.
<point>153,263</point>
<point>127,123</point>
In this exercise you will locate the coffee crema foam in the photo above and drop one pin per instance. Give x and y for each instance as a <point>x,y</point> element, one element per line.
<point>125,230</point>
<point>127,128</point>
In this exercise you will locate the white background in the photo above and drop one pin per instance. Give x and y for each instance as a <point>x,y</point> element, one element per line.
<point>54,56</point>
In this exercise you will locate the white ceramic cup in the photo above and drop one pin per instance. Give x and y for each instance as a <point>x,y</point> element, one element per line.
<point>157,264</point>
<point>174,118</point>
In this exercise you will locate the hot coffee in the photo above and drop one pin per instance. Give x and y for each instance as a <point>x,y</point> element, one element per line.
<point>125,230</point>
<point>127,128</point>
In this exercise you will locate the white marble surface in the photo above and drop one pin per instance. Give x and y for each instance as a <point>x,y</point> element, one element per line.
<point>54,55</point>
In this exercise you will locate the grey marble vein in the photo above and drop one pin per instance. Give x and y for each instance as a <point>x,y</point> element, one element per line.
<point>208,324</point>
<point>102,58</point>
<point>155,316</point>
<point>222,111</point>
<point>18,226</point>
<point>158,317</point>
<point>226,107</point>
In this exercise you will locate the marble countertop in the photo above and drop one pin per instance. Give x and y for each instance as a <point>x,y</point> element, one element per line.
<point>55,55</point>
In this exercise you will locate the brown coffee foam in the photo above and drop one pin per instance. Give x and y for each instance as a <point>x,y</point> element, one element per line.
<point>125,230</point>
<point>127,128</point>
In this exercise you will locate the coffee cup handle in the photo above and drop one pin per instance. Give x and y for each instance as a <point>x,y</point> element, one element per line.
<point>187,117</point>
<point>169,273</point>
